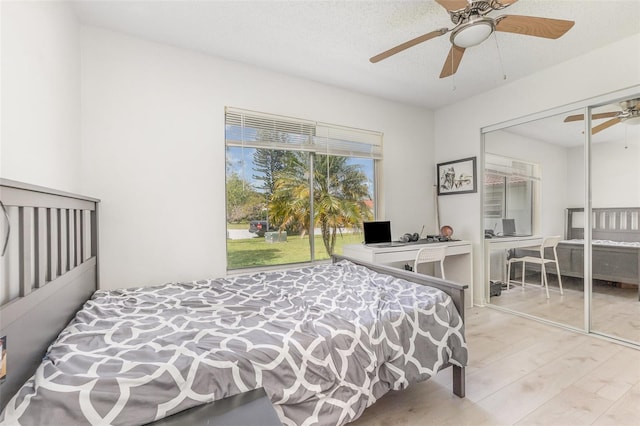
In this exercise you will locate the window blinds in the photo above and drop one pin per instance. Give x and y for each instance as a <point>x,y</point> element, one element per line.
<point>506,167</point>
<point>261,130</point>
<point>338,140</point>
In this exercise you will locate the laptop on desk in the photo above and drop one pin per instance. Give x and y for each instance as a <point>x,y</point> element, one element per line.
<point>378,234</point>
<point>509,229</point>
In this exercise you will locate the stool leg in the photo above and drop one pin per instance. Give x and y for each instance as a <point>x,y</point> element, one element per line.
<point>559,277</point>
<point>544,275</point>
<point>524,265</point>
<point>508,274</point>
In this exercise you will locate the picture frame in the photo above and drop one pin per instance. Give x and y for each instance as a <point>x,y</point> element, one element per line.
<point>457,177</point>
<point>3,358</point>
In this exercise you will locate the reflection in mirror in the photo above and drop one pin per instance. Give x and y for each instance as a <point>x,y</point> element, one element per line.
<point>511,195</point>
<point>533,175</point>
<point>615,232</point>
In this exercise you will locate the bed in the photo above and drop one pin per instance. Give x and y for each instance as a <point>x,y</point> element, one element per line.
<point>615,245</point>
<point>324,341</point>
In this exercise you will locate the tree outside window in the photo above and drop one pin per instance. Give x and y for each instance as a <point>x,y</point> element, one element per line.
<point>270,184</point>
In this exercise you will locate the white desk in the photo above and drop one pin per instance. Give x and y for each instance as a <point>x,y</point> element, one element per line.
<point>458,264</point>
<point>504,243</point>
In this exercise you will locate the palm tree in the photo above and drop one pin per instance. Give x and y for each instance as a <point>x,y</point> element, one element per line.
<point>340,193</point>
<point>289,202</point>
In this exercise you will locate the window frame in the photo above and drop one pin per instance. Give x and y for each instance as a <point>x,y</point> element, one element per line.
<point>314,138</point>
<point>498,166</point>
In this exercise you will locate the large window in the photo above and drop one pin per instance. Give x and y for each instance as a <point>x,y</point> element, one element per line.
<point>297,190</point>
<point>511,191</point>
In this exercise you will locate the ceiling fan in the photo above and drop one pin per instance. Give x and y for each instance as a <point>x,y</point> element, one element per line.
<point>630,114</point>
<point>472,27</point>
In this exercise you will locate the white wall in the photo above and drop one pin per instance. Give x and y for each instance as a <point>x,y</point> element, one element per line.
<point>153,151</point>
<point>40,87</point>
<point>458,127</point>
<point>553,163</point>
<point>153,130</point>
<point>615,174</point>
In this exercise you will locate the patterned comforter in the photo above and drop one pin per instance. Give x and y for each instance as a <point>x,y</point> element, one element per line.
<point>324,341</point>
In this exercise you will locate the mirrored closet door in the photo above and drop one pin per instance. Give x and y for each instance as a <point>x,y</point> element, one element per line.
<point>615,231</point>
<point>561,217</point>
<point>533,175</point>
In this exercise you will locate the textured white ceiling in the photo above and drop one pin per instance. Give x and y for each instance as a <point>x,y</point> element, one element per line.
<point>331,41</point>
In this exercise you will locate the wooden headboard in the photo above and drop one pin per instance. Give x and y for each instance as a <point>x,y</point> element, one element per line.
<point>609,223</point>
<point>49,243</point>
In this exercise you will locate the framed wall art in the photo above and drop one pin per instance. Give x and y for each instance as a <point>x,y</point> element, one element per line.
<point>457,177</point>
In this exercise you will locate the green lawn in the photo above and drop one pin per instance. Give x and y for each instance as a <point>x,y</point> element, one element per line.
<point>244,225</point>
<point>254,252</point>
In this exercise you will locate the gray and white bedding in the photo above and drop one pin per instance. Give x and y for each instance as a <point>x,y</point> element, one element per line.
<point>325,342</point>
<point>608,243</point>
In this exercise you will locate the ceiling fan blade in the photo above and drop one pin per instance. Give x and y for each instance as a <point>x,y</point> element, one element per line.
<point>453,4</point>
<point>571,118</point>
<point>604,115</point>
<point>533,26</point>
<point>399,48</point>
<point>453,61</point>
<point>593,117</point>
<point>605,125</point>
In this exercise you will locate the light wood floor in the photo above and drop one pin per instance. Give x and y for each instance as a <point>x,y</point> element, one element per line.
<point>616,311</point>
<point>522,372</point>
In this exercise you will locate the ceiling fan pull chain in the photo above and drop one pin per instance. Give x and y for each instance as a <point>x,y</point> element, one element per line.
<point>504,74</point>
<point>626,145</point>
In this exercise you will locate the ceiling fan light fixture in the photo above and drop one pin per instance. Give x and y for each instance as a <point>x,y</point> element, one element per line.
<point>473,32</point>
